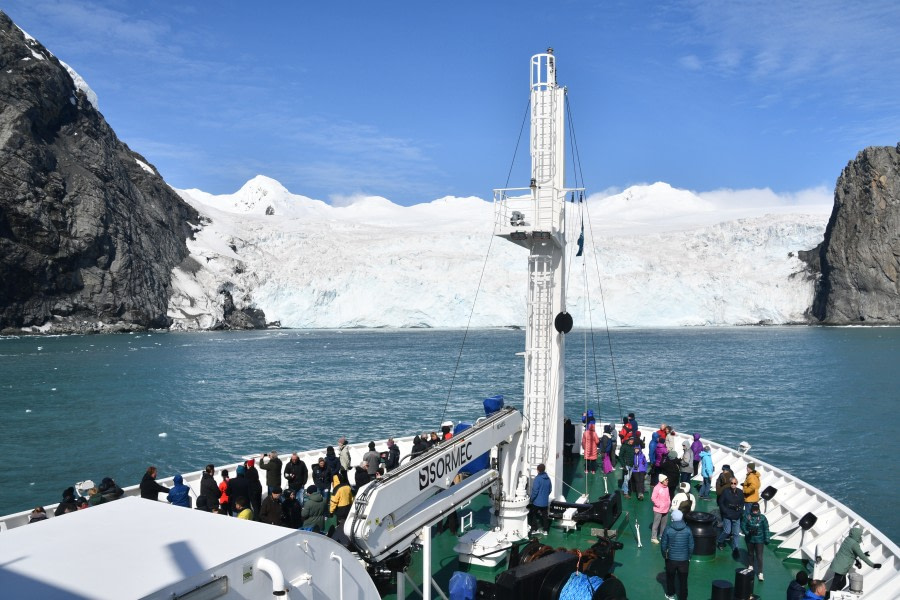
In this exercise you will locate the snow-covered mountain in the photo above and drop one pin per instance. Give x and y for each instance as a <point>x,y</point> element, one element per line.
<point>663,256</point>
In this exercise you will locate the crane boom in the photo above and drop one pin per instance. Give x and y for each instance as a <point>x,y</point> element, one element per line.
<point>388,512</point>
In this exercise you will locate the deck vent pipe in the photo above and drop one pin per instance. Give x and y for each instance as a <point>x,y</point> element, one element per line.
<point>272,569</point>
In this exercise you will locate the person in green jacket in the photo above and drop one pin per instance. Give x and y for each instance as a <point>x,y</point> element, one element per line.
<point>313,512</point>
<point>849,552</point>
<point>755,527</point>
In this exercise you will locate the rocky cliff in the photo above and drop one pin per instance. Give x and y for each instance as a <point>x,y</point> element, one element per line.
<point>89,231</point>
<point>859,259</point>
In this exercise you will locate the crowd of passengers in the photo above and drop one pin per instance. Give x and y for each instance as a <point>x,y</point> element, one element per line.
<point>330,492</point>
<point>671,467</point>
<point>255,491</point>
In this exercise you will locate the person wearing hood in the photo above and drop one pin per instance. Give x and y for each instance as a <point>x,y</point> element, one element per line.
<point>333,462</point>
<point>150,489</point>
<point>651,456</point>
<point>110,490</point>
<point>341,497</point>
<point>685,464</point>
<point>291,509</point>
<point>677,545</point>
<point>68,502</point>
<point>313,512</point>
<point>419,446</point>
<point>755,527</point>
<point>224,502</point>
<point>797,588</point>
<point>696,448</point>
<point>707,468</point>
<point>238,487</point>
<point>684,500</point>
<point>669,468</point>
<point>180,494</point>
<point>626,459</point>
<point>849,552</point>
<point>255,497</point>
<point>209,489</point>
<point>639,473</point>
<point>661,504</point>
<point>589,441</point>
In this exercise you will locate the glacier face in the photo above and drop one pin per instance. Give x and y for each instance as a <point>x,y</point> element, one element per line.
<point>664,257</point>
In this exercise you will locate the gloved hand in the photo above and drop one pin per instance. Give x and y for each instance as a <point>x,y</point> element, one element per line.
<point>866,552</point>
<point>877,565</point>
<point>858,563</point>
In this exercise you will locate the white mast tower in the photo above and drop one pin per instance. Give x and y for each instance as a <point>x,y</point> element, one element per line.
<point>534,217</point>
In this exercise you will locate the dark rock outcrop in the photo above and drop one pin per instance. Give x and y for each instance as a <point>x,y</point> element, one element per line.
<point>89,232</point>
<point>859,259</point>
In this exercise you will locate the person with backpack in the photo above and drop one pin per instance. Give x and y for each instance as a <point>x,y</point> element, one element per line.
<point>755,527</point>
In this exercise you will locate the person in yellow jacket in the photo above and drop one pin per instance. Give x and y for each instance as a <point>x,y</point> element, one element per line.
<point>341,496</point>
<point>751,487</point>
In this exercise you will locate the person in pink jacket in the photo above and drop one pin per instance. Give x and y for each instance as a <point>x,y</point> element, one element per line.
<point>589,443</point>
<point>661,504</point>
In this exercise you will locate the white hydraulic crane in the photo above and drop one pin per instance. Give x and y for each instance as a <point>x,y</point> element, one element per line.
<point>389,513</point>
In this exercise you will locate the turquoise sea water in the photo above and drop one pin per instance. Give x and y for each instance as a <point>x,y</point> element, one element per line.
<point>820,403</point>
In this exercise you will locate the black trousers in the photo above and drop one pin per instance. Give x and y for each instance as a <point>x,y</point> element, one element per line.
<point>539,517</point>
<point>677,569</point>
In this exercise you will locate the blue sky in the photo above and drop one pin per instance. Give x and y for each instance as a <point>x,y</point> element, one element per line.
<point>417,100</point>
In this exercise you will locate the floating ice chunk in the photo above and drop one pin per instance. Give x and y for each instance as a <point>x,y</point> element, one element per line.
<point>52,389</point>
<point>163,434</point>
<point>40,348</point>
<point>28,410</point>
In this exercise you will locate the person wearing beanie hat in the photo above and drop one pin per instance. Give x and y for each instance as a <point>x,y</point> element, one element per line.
<point>706,472</point>
<point>797,588</point>
<point>255,497</point>
<point>724,480</point>
<point>661,503</point>
<point>677,546</point>
<point>755,528</point>
<point>751,487</point>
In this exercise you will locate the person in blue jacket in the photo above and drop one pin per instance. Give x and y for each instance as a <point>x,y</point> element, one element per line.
<point>180,494</point>
<point>677,546</point>
<point>540,500</point>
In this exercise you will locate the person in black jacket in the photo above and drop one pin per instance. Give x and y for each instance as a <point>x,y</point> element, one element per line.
<point>296,473</point>
<point>731,508</point>
<point>797,588</point>
<point>291,511</point>
<point>68,502</point>
<point>209,489</point>
<point>270,511</point>
<point>238,487</point>
<point>255,496</point>
<point>393,455</point>
<point>150,490</point>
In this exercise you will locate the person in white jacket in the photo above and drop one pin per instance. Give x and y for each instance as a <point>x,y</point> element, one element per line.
<point>684,500</point>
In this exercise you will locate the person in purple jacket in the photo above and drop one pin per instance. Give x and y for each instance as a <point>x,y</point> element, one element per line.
<point>696,448</point>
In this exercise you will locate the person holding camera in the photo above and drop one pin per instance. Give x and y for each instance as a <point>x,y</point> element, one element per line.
<point>755,527</point>
<point>731,507</point>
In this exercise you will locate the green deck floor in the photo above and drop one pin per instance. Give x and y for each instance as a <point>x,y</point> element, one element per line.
<point>640,569</point>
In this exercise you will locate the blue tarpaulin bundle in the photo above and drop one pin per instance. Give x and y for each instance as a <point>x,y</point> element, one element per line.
<point>462,586</point>
<point>493,404</point>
